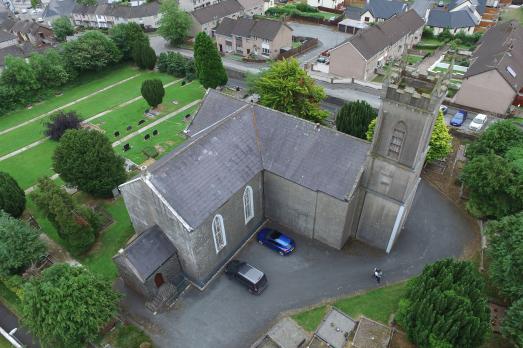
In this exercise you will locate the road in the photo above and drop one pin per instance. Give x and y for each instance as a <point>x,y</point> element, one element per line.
<point>226,315</point>
<point>9,321</point>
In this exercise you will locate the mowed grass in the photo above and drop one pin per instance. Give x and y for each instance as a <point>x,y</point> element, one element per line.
<point>509,14</point>
<point>82,86</point>
<point>30,165</point>
<point>4,343</point>
<point>99,260</point>
<point>378,304</point>
<point>91,106</point>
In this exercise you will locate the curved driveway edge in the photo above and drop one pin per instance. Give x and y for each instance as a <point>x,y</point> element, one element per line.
<point>226,315</point>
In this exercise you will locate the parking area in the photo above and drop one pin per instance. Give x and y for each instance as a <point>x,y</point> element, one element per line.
<point>227,315</point>
<point>465,127</point>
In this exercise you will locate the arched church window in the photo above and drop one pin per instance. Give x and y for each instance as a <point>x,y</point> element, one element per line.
<point>397,140</point>
<point>248,206</point>
<point>218,232</point>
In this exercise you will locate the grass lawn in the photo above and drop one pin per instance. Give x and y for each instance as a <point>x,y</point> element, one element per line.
<point>89,107</point>
<point>99,260</point>
<point>513,13</point>
<point>82,86</point>
<point>378,304</point>
<point>328,15</point>
<point>296,44</point>
<point>310,320</point>
<point>9,299</point>
<point>4,343</point>
<point>413,59</point>
<point>30,165</point>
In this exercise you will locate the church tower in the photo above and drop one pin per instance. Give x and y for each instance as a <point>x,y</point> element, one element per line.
<point>407,115</point>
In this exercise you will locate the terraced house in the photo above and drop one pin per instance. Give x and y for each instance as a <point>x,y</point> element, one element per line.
<point>107,15</point>
<point>253,37</point>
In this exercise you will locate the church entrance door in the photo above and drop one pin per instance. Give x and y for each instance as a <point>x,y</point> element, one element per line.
<point>158,280</point>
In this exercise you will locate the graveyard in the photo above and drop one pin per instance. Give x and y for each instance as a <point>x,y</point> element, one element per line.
<point>110,103</point>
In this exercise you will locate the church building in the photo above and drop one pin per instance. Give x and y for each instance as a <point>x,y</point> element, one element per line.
<point>244,165</point>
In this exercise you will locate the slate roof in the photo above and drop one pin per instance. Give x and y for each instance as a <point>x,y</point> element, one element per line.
<point>58,8</point>
<point>383,9</point>
<point>120,11</point>
<point>377,37</point>
<point>5,36</point>
<point>500,48</point>
<point>441,18</point>
<point>234,140</point>
<point>27,26</point>
<point>479,5</point>
<point>23,50</point>
<point>148,252</point>
<point>246,27</point>
<point>250,4</point>
<point>220,10</point>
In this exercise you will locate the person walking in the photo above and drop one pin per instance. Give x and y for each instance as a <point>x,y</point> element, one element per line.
<point>378,274</point>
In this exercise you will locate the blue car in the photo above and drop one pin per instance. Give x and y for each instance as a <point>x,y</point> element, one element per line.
<point>276,241</point>
<point>459,118</point>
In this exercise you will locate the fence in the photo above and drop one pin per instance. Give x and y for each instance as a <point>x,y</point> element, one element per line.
<point>308,44</point>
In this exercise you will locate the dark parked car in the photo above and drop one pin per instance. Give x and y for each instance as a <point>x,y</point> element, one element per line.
<point>250,277</point>
<point>276,241</point>
<point>459,118</point>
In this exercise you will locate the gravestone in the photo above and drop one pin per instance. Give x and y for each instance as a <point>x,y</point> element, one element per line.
<point>141,122</point>
<point>129,128</point>
<point>155,132</point>
<point>147,136</point>
<point>116,134</point>
<point>183,83</point>
<point>187,116</point>
<point>126,147</point>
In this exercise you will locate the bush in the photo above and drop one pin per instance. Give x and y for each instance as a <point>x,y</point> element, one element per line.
<point>129,336</point>
<point>153,92</point>
<point>306,8</point>
<point>173,63</point>
<point>428,33</point>
<point>12,197</point>
<point>512,326</point>
<point>144,55</point>
<point>92,51</point>
<point>60,122</point>
<point>19,245</point>
<point>150,151</point>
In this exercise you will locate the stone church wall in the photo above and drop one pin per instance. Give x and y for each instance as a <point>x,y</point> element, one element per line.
<point>329,226</point>
<point>236,231</point>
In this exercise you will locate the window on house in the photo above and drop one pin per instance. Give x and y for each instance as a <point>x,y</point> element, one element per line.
<point>367,19</point>
<point>396,142</point>
<point>266,51</point>
<point>248,206</point>
<point>218,232</point>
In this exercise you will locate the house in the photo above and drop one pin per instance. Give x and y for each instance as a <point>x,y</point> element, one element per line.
<point>455,22</point>
<point>106,15</point>
<point>191,5</point>
<point>36,33</point>
<point>245,164</point>
<point>21,50</point>
<point>257,37</point>
<point>358,18</point>
<point>494,79</point>
<point>332,4</point>
<point>56,9</point>
<point>369,49</point>
<point>207,18</point>
<point>252,7</point>
<point>7,39</point>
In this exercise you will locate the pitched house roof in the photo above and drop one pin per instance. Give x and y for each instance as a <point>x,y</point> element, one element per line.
<point>148,252</point>
<point>500,48</point>
<point>23,50</point>
<point>58,8</point>
<point>5,36</point>
<point>233,140</point>
<point>220,10</point>
<point>29,27</point>
<point>374,39</point>
<point>250,4</point>
<point>479,5</point>
<point>383,9</point>
<point>247,27</point>
<point>148,9</point>
<point>451,20</point>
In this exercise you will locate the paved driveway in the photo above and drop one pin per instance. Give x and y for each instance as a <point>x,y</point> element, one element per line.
<point>226,315</point>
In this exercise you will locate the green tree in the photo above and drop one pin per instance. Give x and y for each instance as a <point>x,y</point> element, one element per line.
<point>505,251</point>
<point>86,159</point>
<point>153,92</point>
<point>173,63</point>
<point>76,224</point>
<point>495,186</point>
<point>440,141</point>
<point>67,306</point>
<point>19,245</point>
<point>370,131</point>
<point>446,306</point>
<point>512,326</point>
<point>49,68</point>
<point>125,36</point>
<point>209,66</point>
<point>286,87</point>
<point>497,139</point>
<point>354,118</point>
<point>92,51</point>
<point>62,28</point>
<point>20,78</point>
<point>143,55</point>
<point>174,23</point>
<point>12,197</point>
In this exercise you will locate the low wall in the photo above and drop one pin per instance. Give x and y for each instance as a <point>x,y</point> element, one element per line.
<point>309,43</point>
